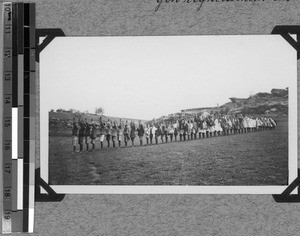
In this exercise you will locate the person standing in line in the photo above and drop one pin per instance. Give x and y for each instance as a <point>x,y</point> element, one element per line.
<point>141,132</point>
<point>200,127</point>
<point>93,134</point>
<point>74,134</point>
<point>126,133</point>
<point>102,132</point>
<point>132,132</point>
<point>157,133</point>
<point>166,132</point>
<point>108,133</point>
<point>147,133</point>
<point>162,129</point>
<point>114,133</point>
<point>195,128</point>
<point>87,134</point>
<point>81,134</point>
<point>152,132</point>
<point>192,128</point>
<point>162,132</point>
<point>170,130</point>
<point>181,129</point>
<point>120,132</point>
<point>175,127</point>
<point>185,129</point>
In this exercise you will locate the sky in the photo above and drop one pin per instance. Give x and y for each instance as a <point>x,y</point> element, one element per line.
<point>145,77</point>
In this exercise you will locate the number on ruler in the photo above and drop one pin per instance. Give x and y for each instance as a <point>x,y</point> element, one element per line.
<point>7,99</point>
<point>7,77</point>
<point>8,11</point>
<point>7,29</point>
<point>7,168</point>
<point>7,123</point>
<point>7,8</point>
<point>7,53</point>
<point>7,215</point>
<point>7,193</point>
<point>7,146</point>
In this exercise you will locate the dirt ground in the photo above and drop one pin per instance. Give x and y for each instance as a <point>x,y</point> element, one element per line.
<point>256,158</point>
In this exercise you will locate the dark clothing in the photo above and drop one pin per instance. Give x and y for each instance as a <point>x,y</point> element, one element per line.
<point>75,129</point>
<point>87,129</point>
<point>200,124</point>
<point>181,125</point>
<point>140,130</point>
<point>186,128</point>
<point>175,132</point>
<point>163,129</point>
<point>102,128</point>
<point>132,130</point>
<point>81,129</point>
<point>126,133</point>
<point>93,131</point>
<point>158,132</point>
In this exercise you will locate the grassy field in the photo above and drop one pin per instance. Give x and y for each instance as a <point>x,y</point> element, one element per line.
<point>256,158</point>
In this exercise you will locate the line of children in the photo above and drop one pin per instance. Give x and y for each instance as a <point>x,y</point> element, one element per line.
<point>187,129</point>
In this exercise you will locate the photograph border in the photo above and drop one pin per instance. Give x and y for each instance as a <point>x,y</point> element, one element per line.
<point>175,189</point>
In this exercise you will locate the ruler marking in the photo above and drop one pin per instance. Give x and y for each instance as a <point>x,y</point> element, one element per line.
<point>14,183</point>
<point>7,114</point>
<point>14,133</point>
<point>20,131</point>
<point>15,55</point>
<point>31,177</point>
<point>20,184</point>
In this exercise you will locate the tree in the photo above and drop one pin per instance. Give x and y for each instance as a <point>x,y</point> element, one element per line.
<point>99,111</point>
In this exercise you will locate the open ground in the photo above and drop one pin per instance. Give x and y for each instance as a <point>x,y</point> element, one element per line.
<point>256,158</point>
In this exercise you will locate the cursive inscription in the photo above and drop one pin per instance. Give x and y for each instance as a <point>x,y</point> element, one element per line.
<point>160,2</point>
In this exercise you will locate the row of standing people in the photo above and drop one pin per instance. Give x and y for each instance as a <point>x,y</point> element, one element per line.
<point>114,132</point>
<point>85,133</point>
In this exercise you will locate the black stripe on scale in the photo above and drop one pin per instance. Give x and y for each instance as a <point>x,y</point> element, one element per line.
<point>20,27</point>
<point>15,55</point>
<point>26,26</point>
<point>26,59</point>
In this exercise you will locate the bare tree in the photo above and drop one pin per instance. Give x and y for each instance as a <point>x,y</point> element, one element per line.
<point>99,111</point>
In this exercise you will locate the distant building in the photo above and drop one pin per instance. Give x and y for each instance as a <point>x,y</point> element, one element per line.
<point>196,110</point>
<point>280,92</point>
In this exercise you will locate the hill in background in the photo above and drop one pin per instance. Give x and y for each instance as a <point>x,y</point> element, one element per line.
<point>274,103</point>
<point>60,121</point>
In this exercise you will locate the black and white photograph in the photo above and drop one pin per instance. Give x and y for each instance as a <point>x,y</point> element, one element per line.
<point>212,112</point>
